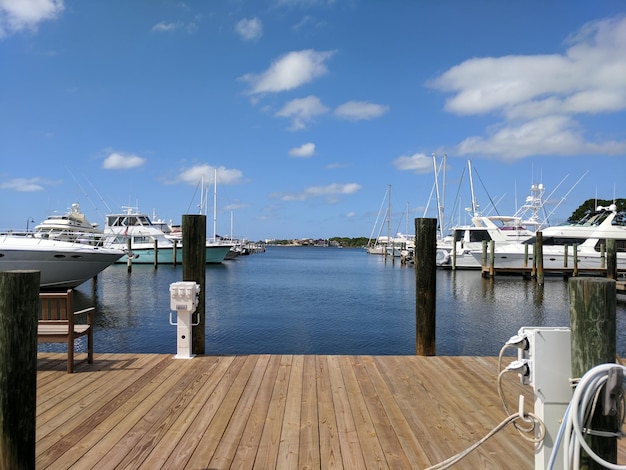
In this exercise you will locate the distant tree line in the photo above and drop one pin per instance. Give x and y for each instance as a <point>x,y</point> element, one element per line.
<point>590,205</point>
<point>350,242</point>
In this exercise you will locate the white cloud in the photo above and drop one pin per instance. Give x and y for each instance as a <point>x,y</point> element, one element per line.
<point>249,29</point>
<point>120,161</point>
<point>290,71</point>
<point>196,173</point>
<point>164,27</point>
<point>360,110</point>
<point>304,151</point>
<point>537,97</point>
<point>18,15</point>
<point>419,163</point>
<point>302,111</point>
<point>330,192</point>
<point>27,184</point>
<point>550,135</point>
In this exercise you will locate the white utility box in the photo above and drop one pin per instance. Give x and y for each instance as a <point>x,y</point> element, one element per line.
<point>184,299</point>
<point>549,356</point>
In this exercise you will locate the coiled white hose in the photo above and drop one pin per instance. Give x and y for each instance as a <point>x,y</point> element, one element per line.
<point>582,407</point>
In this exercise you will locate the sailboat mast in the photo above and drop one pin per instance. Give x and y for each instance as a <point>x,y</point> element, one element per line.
<point>215,207</point>
<point>474,208</point>
<point>389,220</point>
<point>201,205</point>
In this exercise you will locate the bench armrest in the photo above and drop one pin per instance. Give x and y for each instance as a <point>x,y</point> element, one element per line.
<point>89,311</point>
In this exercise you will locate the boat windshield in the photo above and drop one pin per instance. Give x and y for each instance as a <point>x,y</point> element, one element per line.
<point>126,220</point>
<point>556,241</point>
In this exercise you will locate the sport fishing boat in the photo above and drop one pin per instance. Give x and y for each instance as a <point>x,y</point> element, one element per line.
<point>588,235</point>
<point>144,235</point>
<point>71,226</point>
<point>502,230</point>
<point>63,264</point>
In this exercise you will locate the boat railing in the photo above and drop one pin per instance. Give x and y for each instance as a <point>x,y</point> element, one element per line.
<point>65,236</point>
<point>73,236</point>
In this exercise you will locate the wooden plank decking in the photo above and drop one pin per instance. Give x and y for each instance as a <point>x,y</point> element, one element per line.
<point>273,411</point>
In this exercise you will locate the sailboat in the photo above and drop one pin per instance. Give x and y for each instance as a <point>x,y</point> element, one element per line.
<point>216,249</point>
<point>501,229</point>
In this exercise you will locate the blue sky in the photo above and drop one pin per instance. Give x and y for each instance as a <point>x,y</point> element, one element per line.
<point>308,109</point>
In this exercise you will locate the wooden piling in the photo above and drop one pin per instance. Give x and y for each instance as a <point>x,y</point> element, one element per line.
<point>425,285</point>
<point>492,258</point>
<point>525,255</point>
<point>175,253</point>
<point>593,327</point>
<point>539,258</point>
<point>194,269</point>
<point>129,260</point>
<point>484,254</point>
<point>156,253</point>
<point>611,259</point>
<point>19,306</point>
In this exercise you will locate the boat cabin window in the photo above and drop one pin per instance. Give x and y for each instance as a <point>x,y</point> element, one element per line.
<point>620,245</point>
<point>128,220</point>
<point>479,235</point>
<point>620,219</point>
<point>556,241</point>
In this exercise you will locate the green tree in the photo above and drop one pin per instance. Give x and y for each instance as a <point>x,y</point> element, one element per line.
<point>590,205</point>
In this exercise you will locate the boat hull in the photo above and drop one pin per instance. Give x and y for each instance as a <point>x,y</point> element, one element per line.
<point>61,264</point>
<point>214,254</point>
<point>553,258</point>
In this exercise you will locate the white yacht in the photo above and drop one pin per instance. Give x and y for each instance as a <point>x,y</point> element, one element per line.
<point>503,230</point>
<point>588,234</point>
<point>62,264</point>
<point>71,226</point>
<point>138,228</point>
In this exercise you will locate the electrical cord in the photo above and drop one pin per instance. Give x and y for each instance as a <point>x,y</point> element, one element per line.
<point>456,458</point>
<point>576,422</point>
<point>536,426</point>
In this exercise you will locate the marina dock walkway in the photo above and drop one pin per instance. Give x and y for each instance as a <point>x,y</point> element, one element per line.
<point>274,411</point>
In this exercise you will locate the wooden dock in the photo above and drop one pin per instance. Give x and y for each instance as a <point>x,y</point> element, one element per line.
<point>274,411</point>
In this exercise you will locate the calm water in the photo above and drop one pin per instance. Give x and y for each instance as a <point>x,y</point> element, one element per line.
<point>321,301</point>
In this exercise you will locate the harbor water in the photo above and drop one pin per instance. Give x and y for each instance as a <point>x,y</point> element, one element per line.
<point>313,300</point>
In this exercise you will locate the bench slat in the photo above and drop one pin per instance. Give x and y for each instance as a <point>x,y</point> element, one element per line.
<point>57,325</point>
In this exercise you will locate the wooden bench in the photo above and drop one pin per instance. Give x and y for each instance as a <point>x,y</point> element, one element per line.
<point>57,323</point>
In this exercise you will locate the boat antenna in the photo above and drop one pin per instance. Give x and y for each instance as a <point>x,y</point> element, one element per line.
<point>192,198</point>
<point>86,195</point>
<point>487,192</point>
<point>439,198</point>
<point>566,194</point>
<point>474,206</point>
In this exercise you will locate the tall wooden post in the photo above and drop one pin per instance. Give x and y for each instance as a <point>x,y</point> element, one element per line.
<point>129,257</point>
<point>425,285</point>
<point>19,306</point>
<point>593,325</point>
<point>156,253</point>
<point>611,259</point>
<point>492,258</point>
<point>539,258</point>
<point>194,269</point>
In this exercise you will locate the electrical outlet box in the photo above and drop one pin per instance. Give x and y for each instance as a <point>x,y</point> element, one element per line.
<point>184,296</point>
<point>549,356</point>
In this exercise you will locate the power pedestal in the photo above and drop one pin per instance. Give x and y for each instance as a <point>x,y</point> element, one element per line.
<point>184,299</point>
<point>549,356</point>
